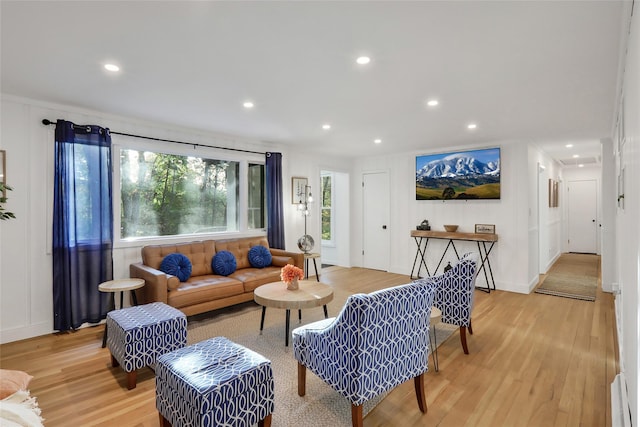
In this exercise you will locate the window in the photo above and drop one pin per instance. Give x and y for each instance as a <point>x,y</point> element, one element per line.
<point>168,194</point>
<point>327,213</point>
<point>256,205</point>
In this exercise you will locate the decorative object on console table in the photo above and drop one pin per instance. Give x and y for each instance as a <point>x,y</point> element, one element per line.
<point>451,228</point>
<point>485,229</point>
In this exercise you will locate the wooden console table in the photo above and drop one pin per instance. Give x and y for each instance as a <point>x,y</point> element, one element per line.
<point>422,237</point>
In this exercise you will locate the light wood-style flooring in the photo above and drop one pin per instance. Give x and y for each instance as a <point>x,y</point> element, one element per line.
<point>535,360</point>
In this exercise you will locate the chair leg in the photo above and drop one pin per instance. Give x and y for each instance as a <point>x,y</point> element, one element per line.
<point>163,421</point>
<point>470,328</point>
<point>463,339</point>
<point>131,379</point>
<point>302,379</point>
<point>419,383</point>
<point>114,362</point>
<point>356,415</point>
<point>266,422</point>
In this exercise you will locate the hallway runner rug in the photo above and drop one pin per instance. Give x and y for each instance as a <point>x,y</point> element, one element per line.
<point>569,286</point>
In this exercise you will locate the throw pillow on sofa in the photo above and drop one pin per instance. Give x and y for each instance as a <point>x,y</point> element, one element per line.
<point>259,256</point>
<point>224,263</point>
<point>178,265</point>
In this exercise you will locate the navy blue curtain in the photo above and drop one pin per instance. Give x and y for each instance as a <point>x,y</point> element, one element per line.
<point>82,224</point>
<point>275,213</point>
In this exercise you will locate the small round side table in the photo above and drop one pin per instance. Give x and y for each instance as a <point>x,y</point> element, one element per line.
<point>119,285</point>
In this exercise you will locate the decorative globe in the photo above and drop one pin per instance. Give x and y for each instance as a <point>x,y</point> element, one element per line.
<point>305,243</point>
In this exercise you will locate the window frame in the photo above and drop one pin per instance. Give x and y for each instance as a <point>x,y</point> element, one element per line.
<point>332,223</point>
<point>120,142</point>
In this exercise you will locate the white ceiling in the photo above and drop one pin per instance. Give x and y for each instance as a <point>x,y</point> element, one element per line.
<point>543,71</point>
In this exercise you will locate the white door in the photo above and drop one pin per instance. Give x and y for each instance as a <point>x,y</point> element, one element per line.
<point>582,218</point>
<point>375,247</point>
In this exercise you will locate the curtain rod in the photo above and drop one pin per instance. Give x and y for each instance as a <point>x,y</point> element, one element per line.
<point>48,122</point>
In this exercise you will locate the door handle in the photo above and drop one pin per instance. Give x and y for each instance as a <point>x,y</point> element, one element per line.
<point>384,227</point>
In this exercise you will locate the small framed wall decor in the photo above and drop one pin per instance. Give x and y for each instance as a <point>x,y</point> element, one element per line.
<point>298,188</point>
<point>485,229</point>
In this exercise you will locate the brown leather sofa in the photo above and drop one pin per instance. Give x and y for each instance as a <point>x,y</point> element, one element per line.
<point>205,290</point>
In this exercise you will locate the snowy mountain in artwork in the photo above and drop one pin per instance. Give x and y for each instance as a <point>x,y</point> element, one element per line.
<point>456,165</point>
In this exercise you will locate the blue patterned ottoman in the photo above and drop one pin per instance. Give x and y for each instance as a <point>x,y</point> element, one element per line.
<point>138,335</point>
<point>214,383</point>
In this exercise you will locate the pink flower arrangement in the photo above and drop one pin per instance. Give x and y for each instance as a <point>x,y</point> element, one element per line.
<point>290,272</point>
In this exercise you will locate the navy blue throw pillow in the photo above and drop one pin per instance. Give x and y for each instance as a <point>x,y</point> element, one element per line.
<point>177,265</point>
<point>223,263</point>
<point>259,256</point>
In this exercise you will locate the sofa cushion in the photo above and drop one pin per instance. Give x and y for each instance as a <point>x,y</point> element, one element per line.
<point>254,277</point>
<point>259,256</point>
<point>177,265</point>
<point>200,289</point>
<point>223,263</point>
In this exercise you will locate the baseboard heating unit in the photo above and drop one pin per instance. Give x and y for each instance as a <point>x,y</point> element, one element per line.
<point>620,413</point>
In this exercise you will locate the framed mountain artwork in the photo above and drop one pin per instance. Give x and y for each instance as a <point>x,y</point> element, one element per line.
<point>461,175</point>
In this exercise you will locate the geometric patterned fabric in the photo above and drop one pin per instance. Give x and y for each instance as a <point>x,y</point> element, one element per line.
<point>215,382</point>
<point>138,335</point>
<point>377,341</point>
<point>455,291</point>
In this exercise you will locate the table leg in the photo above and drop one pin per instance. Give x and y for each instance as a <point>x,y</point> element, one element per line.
<point>326,314</point>
<point>264,309</point>
<point>286,337</point>
<point>121,300</point>
<point>434,347</point>
<point>133,297</point>
<point>315,266</point>
<point>422,253</point>
<point>112,306</point>
<point>299,316</point>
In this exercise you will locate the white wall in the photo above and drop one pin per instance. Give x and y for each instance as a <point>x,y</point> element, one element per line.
<point>545,223</point>
<point>627,224</point>
<point>509,214</point>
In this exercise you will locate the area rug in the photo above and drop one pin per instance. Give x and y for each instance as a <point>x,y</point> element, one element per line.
<point>569,286</point>
<point>321,406</point>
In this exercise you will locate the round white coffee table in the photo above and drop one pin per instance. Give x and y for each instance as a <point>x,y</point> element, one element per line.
<point>309,294</point>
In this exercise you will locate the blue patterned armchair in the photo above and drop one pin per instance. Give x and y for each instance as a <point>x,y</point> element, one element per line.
<point>377,341</point>
<point>455,292</point>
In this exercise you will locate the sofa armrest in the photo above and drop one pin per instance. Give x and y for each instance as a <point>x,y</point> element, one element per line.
<point>155,288</point>
<point>298,257</point>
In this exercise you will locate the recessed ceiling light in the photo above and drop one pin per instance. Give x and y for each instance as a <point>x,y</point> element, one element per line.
<point>111,67</point>
<point>432,102</point>
<point>575,156</point>
<point>363,60</point>
<point>326,126</point>
<point>377,141</point>
<point>580,165</point>
<point>569,145</point>
<point>248,104</point>
<point>472,126</point>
